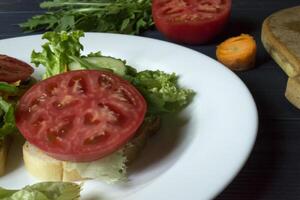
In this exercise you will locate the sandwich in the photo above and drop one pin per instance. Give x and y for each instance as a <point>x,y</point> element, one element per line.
<point>14,81</point>
<point>91,115</point>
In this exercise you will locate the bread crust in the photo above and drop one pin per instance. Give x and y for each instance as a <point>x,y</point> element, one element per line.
<point>281,51</point>
<point>4,145</point>
<point>292,92</point>
<point>46,168</point>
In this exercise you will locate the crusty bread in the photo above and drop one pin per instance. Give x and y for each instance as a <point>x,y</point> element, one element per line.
<point>292,92</point>
<point>281,38</point>
<point>4,144</point>
<point>47,168</point>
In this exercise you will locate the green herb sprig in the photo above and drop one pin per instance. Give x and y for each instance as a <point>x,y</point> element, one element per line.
<point>116,16</point>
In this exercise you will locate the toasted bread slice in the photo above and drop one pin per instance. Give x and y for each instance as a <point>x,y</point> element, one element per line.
<point>4,144</point>
<point>47,168</point>
<point>281,38</point>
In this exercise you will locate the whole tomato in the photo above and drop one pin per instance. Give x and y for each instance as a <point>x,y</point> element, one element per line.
<point>190,21</point>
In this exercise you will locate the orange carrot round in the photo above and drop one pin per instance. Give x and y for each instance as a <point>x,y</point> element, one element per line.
<point>237,53</point>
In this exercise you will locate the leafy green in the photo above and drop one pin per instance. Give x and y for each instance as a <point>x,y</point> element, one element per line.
<point>8,125</point>
<point>161,90</point>
<point>43,191</point>
<point>118,16</point>
<point>57,53</point>
<point>110,169</point>
<point>8,88</point>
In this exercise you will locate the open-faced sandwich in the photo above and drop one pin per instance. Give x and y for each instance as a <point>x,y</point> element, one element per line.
<point>14,80</point>
<point>92,114</point>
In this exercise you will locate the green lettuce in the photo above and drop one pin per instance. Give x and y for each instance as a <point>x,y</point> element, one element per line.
<point>9,88</point>
<point>43,191</point>
<point>161,90</point>
<point>57,53</point>
<point>109,169</point>
<point>8,124</point>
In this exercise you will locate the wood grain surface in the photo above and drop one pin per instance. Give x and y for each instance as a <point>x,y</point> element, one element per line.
<point>273,170</point>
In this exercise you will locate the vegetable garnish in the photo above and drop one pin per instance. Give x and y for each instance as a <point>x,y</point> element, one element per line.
<point>44,191</point>
<point>81,115</point>
<point>58,52</point>
<point>13,70</point>
<point>160,89</point>
<point>237,53</point>
<point>119,16</point>
<point>8,125</point>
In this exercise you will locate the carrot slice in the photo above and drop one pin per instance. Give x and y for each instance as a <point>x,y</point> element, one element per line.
<point>237,53</point>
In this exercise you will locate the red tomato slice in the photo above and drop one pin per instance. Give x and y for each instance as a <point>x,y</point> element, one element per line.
<point>190,21</point>
<point>80,115</point>
<point>12,69</point>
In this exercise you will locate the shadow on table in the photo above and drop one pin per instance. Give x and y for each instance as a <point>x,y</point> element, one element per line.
<point>254,179</point>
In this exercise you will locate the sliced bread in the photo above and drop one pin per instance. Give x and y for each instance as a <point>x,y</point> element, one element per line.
<point>46,168</point>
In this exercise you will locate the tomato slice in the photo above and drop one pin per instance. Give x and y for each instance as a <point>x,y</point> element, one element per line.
<point>12,69</point>
<point>190,21</point>
<point>80,115</point>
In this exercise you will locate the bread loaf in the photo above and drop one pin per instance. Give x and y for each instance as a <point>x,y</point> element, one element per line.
<point>292,92</point>
<point>281,38</point>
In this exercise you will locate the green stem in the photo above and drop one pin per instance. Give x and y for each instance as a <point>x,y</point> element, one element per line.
<point>50,4</point>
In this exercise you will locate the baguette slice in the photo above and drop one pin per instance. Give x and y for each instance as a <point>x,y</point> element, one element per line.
<point>281,38</point>
<point>3,154</point>
<point>46,168</point>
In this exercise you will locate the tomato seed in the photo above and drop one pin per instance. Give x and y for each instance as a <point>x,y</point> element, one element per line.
<point>96,139</point>
<point>57,105</point>
<point>50,89</point>
<point>89,119</point>
<point>105,81</point>
<point>124,96</point>
<point>78,85</point>
<point>38,122</point>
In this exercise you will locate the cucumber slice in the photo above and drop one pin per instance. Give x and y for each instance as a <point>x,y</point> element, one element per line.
<point>101,63</point>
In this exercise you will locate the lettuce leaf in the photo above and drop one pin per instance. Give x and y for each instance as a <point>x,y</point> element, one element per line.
<point>9,88</point>
<point>109,169</point>
<point>161,91</point>
<point>8,124</point>
<point>57,53</point>
<point>43,191</point>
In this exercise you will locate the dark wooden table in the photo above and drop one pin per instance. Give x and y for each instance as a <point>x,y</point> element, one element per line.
<point>273,169</point>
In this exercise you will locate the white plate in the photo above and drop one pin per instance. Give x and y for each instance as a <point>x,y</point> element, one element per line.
<point>197,153</point>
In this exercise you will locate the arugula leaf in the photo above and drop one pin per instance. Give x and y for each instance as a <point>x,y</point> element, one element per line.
<point>161,91</point>
<point>43,191</point>
<point>8,122</point>
<point>118,16</point>
<point>57,53</point>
